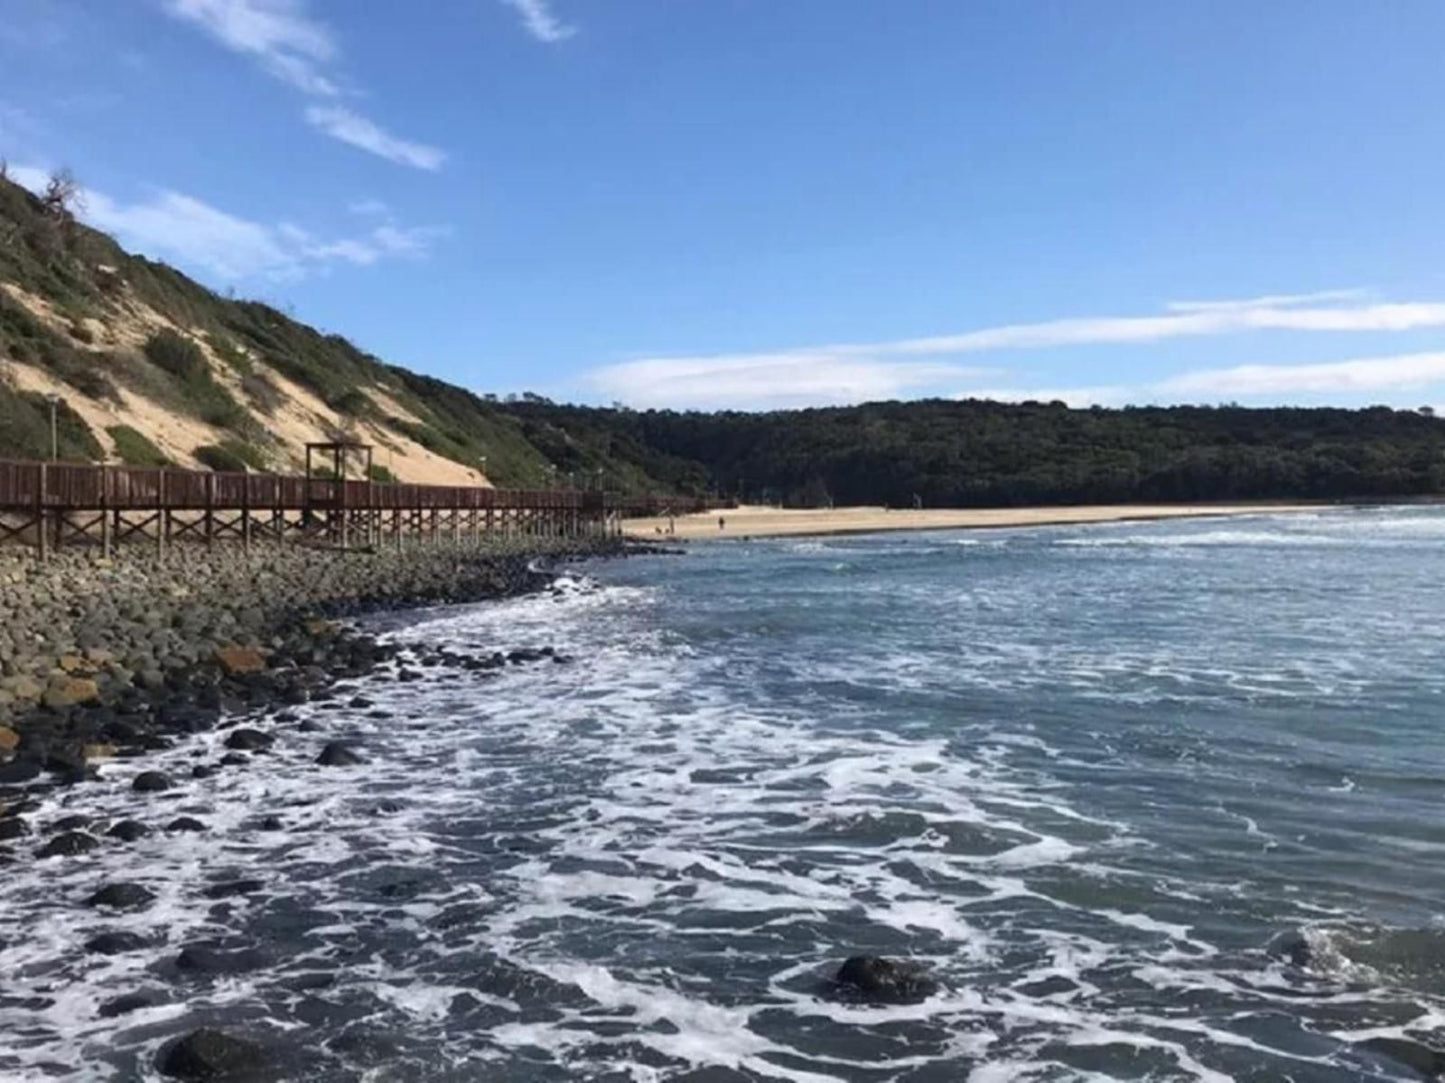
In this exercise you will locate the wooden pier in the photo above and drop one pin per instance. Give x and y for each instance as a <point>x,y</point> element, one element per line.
<point>51,504</point>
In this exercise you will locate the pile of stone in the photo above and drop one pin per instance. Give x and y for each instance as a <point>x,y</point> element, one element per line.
<point>99,656</point>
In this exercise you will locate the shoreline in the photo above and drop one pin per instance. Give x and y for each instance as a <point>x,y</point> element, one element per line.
<point>755,521</point>
<point>113,659</point>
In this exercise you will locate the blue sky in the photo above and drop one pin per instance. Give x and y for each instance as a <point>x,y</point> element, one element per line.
<point>752,203</point>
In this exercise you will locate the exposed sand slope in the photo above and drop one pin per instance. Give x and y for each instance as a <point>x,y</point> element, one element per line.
<point>301,417</point>
<point>762,521</point>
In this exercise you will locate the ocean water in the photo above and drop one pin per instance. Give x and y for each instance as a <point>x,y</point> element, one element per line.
<point>1087,775</point>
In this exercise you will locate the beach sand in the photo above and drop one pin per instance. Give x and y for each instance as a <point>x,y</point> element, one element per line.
<point>757,521</point>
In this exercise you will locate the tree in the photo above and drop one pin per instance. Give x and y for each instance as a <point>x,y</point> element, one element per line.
<point>62,196</point>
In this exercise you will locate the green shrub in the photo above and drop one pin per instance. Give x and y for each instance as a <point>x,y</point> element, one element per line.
<point>230,455</point>
<point>353,403</point>
<point>30,415</point>
<point>183,360</point>
<point>380,473</point>
<point>135,449</point>
<point>177,355</point>
<point>81,333</point>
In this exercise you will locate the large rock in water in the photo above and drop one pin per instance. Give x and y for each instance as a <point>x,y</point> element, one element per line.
<point>337,754</point>
<point>209,1054</point>
<point>239,660</point>
<point>122,896</point>
<point>886,980</point>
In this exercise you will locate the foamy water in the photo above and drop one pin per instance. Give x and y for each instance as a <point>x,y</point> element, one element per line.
<point>1085,774</point>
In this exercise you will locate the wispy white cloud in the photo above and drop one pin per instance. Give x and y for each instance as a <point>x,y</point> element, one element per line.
<point>174,226</point>
<point>541,23</point>
<point>278,34</point>
<point>851,371</point>
<point>286,41</point>
<point>1389,377</point>
<point>368,207</point>
<point>762,381</point>
<point>341,123</point>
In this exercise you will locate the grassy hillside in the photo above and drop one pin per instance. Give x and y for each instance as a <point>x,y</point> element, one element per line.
<point>151,367</point>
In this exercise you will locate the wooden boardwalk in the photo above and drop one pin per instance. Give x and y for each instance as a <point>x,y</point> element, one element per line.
<point>49,505</point>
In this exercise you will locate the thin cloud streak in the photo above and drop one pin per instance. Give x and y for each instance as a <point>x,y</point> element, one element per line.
<point>297,49</point>
<point>540,22</point>
<point>357,131</point>
<point>1273,384</point>
<point>175,226</point>
<point>767,382</point>
<point>278,34</point>
<point>849,372</point>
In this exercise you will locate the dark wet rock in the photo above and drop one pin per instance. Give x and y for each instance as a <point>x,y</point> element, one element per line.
<point>1291,946</point>
<point>338,754</point>
<point>235,759</point>
<point>202,770</point>
<point>271,823</point>
<point>228,888</point>
<point>712,775</point>
<point>20,770</point>
<point>122,896</point>
<point>115,943</point>
<point>1427,1061</point>
<point>209,1054</point>
<point>150,782</point>
<point>128,830</point>
<point>205,960</point>
<point>13,827</point>
<point>386,808</point>
<point>69,844</point>
<point>130,1002</point>
<point>887,980</point>
<point>310,979</point>
<point>249,740</point>
<point>185,823</point>
<point>1050,986</point>
<point>287,717</point>
<point>69,823</point>
<point>359,702</point>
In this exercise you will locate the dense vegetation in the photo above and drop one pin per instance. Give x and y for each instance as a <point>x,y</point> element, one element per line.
<point>945,453</point>
<point>938,453</point>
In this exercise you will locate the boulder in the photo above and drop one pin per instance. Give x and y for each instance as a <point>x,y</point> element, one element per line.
<point>204,960</point>
<point>127,1003</point>
<point>128,831</point>
<point>122,896</point>
<point>337,754</point>
<point>228,888</point>
<point>886,980</point>
<point>23,687</point>
<point>150,782</point>
<point>115,943</point>
<point>185,823</point>
<point>238,660</point>
<point>9,739</point>
<point>249,740</point>
<point>69,844</point>
<point>68,691</point>
<point>13,827</point>
<point>209,1054</point>
<point>96,751</point>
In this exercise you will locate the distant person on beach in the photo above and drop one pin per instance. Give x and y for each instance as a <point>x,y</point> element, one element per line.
<point>721,523</point>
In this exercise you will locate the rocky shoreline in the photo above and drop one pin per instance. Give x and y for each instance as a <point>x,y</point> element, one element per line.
<point>105,658</point>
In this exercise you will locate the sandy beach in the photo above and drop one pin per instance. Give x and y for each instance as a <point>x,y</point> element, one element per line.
<point>759,521</point>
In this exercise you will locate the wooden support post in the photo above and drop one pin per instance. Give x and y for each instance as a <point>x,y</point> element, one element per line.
<point>163,515</point>
<point>105,532</point>
<point>208,521</point>
<point>41,541</point>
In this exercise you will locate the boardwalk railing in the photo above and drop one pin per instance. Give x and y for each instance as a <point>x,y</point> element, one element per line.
<point>51,504</point>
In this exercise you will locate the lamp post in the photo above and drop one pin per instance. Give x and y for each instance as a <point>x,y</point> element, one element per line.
<point>483,461</point>
<point>54,401</point>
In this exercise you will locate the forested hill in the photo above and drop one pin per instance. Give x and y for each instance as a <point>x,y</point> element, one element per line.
<point>150,367</point>
<point>974,453</point>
